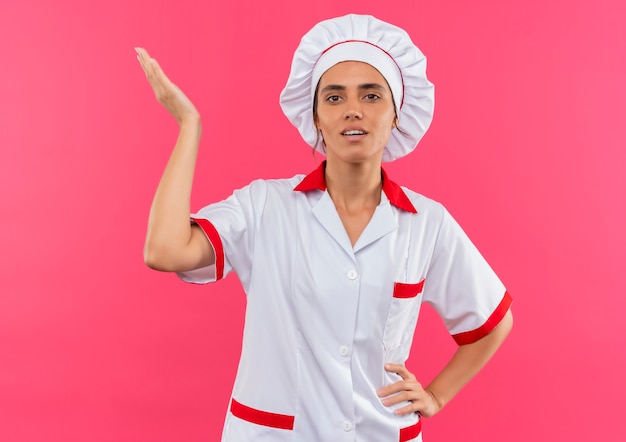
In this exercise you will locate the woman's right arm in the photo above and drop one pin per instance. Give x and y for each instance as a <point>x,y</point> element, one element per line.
<point>173,244</point>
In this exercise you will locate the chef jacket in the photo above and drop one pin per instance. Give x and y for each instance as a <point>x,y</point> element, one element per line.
<point>324,316</point>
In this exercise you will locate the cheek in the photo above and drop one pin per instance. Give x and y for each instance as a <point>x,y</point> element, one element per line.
<point>382,136</point>
<point>385,125</point>
<point>322,123</point>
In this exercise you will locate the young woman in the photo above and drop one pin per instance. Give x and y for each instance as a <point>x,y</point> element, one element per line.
<point>335,264</point>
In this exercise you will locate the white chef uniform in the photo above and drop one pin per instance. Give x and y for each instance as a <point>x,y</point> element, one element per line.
<point>323,317</point>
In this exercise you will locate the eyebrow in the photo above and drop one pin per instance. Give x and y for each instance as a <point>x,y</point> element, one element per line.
<point>338,87</point>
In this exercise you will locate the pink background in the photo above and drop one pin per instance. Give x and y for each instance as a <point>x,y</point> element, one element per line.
<point>527,150</point>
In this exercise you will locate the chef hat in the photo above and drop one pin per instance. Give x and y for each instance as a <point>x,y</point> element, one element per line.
<point>387,48</point>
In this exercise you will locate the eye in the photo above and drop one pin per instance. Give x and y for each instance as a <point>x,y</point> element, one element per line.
<point>372,97</point>
<point>333,98</point>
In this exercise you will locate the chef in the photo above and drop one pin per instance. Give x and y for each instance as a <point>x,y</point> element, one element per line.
<point>335,263</point>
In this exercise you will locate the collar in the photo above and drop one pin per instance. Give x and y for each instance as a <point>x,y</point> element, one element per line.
<point>316,180</point>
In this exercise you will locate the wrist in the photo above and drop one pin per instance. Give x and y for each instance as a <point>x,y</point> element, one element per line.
<point>191,123</point>
<point>438,402</point>
<point>191,119</point>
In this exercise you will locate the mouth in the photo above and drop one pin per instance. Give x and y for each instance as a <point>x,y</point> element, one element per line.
<point>353,133</point>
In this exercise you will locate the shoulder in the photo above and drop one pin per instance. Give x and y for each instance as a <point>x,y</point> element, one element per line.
<point>424,205</point>
<point>264,193</point>
<point>275,186</point>
<point>271,185</point>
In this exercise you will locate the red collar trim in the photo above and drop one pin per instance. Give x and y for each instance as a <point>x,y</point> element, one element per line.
<point>317,181</point>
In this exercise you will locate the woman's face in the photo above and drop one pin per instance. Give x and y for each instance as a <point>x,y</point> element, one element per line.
<point>355,112</point>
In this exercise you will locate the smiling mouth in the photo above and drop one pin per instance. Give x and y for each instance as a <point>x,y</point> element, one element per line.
<point>351,133</point>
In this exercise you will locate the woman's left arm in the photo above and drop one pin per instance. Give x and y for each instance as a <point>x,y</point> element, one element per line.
<point>467,361</point>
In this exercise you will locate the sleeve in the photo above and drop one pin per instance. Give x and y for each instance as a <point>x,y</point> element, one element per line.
<point>461,286</point>
<point>230,226</point>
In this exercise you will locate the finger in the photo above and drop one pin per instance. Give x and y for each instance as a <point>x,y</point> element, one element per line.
<point>142,52</point>
<point>149,64</point>
<point>401,370</point>
<point>398,387</point>
<point>142,56</point>
<point>145,62</point>
<point>409,409</point>
<point>395,399</point>
<point>415,402</point>
<point>424,405</point>
<point>158,72</point>
<point>387,390</point>
<point>155,75</point>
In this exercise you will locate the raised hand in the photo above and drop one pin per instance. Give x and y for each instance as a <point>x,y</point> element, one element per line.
<point>168,94</point>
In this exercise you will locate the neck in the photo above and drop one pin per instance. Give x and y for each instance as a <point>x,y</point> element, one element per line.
<point>354,185</point>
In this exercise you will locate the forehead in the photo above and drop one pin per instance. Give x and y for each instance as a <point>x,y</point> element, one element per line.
<point>349,73</point>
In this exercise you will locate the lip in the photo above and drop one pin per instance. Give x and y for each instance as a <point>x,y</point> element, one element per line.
<point>355,137</point>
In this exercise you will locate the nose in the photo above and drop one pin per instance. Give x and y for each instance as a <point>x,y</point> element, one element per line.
<point>353,115</point>
<point>353,110</point>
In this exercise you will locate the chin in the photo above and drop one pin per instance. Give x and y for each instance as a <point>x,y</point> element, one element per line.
<point>354,154</point>
<point>359,157</point>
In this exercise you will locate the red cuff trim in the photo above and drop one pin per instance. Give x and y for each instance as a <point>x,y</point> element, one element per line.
<point>260,417</point>
<point>215,240</point>
<point>402,290</point>
<point>410,433</point>
<point>491,323</point>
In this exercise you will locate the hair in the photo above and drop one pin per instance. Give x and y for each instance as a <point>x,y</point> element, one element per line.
<point>317,137</point>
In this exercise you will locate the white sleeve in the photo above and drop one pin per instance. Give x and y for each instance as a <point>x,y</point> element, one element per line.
<point>462,287</point>
<point>230,225</point>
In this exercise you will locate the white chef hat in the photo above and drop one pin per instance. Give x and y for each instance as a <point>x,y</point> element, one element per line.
<point>387,48</point>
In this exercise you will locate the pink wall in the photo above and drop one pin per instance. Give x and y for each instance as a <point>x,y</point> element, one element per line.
<point>527,150</point>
